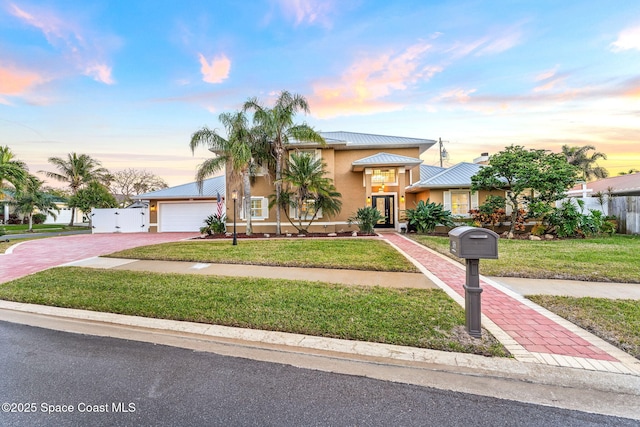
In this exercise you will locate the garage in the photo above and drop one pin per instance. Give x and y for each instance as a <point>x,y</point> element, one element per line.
<point>187,216</point>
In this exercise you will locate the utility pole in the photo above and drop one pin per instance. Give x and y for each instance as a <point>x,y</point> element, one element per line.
<point>443,152</point>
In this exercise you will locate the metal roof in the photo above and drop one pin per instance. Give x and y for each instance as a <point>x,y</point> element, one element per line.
<point>620,185</point>
<point>427,171</point>
<point>210,189</point>
<point>354,140</point>
<point>456,176</point>
<point>385,159</point>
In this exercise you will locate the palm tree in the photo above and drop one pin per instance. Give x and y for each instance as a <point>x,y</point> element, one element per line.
<point>31,197</point>
<point>629,172</point>
<point>278,126</point>
<point>307,191</point>
<point>578,156</point>
<point>77,171</point>
<point>239,154</point>
<point>12,171</point>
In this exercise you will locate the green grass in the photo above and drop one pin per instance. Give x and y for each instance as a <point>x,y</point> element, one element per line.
<point>38,228</point>
<point>601,259</point>
<point>425,318</point>
<point>342,253</point>
<point>615,321</point>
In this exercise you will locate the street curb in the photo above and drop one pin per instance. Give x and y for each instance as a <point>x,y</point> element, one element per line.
<point>467,364</point>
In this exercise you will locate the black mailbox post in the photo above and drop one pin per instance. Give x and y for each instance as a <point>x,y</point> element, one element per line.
<point>473,244</point>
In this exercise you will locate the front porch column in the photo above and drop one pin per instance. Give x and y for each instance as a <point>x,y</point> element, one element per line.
<point>368,173</point>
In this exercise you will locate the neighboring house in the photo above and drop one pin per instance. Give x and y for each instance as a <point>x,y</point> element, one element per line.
<point>623,185</point>
<point>183,208</point>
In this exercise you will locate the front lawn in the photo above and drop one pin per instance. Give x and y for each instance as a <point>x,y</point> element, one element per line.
<point>425,318</point>
<point>38,228</point>
<point>601,259</point>
<point>343,253</point>
<point>615,321</point>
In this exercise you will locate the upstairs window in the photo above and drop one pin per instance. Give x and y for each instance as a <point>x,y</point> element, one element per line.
<point>384,176</point>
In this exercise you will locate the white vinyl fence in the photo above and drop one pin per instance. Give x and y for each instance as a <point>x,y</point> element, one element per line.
<point>120,220</point>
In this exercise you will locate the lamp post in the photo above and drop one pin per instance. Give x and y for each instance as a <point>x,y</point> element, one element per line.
<point>234,196</point>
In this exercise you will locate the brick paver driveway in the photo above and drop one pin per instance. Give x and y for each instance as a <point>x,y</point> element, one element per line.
<point>39,254</point>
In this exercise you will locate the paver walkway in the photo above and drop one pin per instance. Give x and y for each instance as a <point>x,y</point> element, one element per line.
<point>39,254</point>
<point>532,333</point>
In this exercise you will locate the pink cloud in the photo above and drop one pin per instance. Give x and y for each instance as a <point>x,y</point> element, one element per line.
<point>307,11</point>
<point>364,85</point>
<point>78,45</point>
<point>627,39</point>
<point>16,82</point>
<point>217,71</point>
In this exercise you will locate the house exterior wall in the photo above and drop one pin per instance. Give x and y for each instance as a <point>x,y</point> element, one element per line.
<point>355,188</point>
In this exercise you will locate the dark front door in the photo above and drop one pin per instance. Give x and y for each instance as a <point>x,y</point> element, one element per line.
<point>384,204</point>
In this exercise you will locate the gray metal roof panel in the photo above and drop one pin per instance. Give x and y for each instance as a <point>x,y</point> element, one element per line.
<point>427,171</point>
<point>387,159</point>
<point>210,188</point>
<point>365,140</point>
<point>456,176</point>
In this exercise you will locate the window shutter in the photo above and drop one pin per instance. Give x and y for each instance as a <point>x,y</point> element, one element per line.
<point>241,208</point>
<point>446,197</point>
<point>474,200</point>
<point>265,208</point>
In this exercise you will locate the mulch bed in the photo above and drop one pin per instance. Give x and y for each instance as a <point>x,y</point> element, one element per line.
<point>291,235</point>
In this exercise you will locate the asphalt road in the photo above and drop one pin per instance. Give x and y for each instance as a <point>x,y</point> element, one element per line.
<point>8,237</point>
<point>107,381</point>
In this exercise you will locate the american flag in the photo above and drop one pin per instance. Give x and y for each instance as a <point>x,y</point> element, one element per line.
<point>220,205</point>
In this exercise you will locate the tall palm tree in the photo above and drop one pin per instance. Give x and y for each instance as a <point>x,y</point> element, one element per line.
<point>239,154</point>
<point>277,123</point>
<point>76,171</point>
<point>31,196</point>
<point>307,191</point>
<point>12,171</point>
<point>579,156</point>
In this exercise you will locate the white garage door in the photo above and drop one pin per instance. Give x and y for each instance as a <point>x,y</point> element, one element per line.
<point>184,216</point>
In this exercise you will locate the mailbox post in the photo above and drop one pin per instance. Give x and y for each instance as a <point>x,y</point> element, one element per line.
<point>473,244</point>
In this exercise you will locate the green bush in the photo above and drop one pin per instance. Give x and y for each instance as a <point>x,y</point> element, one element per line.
<point>366,218</point>
<point>214,224</point>
<point>569,220</point>
<point>39,218</point>
<point>427,215</point>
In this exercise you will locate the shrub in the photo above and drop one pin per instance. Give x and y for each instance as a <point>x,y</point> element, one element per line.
<point>214,224</point>
<point>491,212</point>
<point>427,215</point>
<point>14,219</point>
<point>366,218</point>
<point>568,220</point>
<point>39,218</point>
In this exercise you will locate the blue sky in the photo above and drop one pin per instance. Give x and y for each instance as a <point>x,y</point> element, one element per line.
<point>129,81</point>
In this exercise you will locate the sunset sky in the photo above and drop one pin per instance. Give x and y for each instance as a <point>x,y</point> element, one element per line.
<point>128,82</point>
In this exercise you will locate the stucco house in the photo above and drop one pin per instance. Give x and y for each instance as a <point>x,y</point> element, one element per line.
<point>368,170</point>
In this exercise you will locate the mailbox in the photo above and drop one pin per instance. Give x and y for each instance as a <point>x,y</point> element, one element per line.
<point>473,243</point>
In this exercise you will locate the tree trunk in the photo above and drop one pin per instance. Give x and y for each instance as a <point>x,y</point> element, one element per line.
<point>73,211</point>
<point>30,222</point>
<point>247,202</point>
<point>278,188</point>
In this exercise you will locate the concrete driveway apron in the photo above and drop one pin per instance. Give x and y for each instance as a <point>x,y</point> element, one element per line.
<point>39,254</point>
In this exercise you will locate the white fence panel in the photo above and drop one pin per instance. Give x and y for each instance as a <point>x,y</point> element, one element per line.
<point>120,220</point>
<point>589,203</point>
